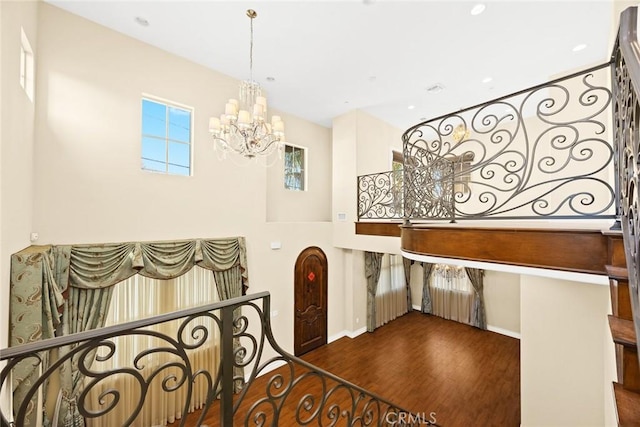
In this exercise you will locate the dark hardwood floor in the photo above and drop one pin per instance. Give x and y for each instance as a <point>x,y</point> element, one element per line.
<point>425,364</point>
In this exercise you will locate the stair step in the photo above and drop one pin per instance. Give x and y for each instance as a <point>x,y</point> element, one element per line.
<point>627,406</point>
<point>622,331</point>
<point>617,272</point>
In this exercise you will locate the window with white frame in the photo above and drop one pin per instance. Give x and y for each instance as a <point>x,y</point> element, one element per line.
<point>166,137</point>
<point>27,66</point>
<point>295,168</point>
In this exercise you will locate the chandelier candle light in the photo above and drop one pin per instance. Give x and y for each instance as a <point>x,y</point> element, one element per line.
<point>243,128</point>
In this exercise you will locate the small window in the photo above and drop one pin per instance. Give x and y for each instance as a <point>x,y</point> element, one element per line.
<point>166,137</point>
<point>295,168</point>
<point>27,67</point>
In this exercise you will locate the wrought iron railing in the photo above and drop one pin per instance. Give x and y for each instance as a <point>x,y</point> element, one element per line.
<point>296,392</point>
<point>544,152</point>
<point>626,120</point>
<point>380,195</point>
<point>541,153</point>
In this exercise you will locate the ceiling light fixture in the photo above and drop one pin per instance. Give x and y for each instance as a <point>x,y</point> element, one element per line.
<point>579,47</point>
<point>487,80</point>
<point>411,107</point>
<point>141,21</point>
<point>478,9</point>
<point>436,88</point>
<point>460,133</point>
<point>243,127</point>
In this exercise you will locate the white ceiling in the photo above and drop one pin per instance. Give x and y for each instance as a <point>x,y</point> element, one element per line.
<point>329,57</point>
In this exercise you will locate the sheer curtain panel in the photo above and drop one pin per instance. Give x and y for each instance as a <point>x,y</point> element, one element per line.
<point>451,293</point>
<point>140,297</point>
<point>391,295</point>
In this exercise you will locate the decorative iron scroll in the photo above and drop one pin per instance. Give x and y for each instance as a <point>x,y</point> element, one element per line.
<point>626,120</point>
<point>295,392</point>
<point>380,195</point>
<point>430,191</point>
<point>539,153</point>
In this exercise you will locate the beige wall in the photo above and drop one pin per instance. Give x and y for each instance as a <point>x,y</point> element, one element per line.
<point>563,327</point>
<point>16,152</point>
<point>502,301</point>
<point>88,182</point>
<point>362,144</point>
<point>314,204</point>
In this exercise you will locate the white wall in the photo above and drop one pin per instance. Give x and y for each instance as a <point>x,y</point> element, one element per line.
<point>563,327</point>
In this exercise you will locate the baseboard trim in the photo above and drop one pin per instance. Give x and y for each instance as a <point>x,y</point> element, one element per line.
<point>345,333</point>
<point>502,331</point>
<point>336,337</point>
<point>357,332</point>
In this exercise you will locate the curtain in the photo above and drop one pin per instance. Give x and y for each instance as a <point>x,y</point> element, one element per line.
<point>372,264</point>
<point>427,306</point>
<point>140,297</point>
<point>391,294</point>
<point>230,286</point>
<point>42,277</point>
<point>478,314</point>
<point>406,263</point>
<point>451,293</point>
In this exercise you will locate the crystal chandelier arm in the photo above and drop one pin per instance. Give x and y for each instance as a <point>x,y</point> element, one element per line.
<point>244,128</point>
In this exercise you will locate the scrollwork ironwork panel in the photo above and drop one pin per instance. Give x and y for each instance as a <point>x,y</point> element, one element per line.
<point>540,153</point>
<point>295,392</point>
<point>626,122</point>
<point>380,195</point>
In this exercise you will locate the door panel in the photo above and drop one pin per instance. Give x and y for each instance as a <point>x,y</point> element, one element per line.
<point>310,323</point>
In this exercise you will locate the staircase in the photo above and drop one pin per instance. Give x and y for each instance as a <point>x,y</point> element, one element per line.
<point>627,388</point>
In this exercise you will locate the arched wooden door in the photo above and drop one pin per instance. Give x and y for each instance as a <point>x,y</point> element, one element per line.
<point>310,323</point>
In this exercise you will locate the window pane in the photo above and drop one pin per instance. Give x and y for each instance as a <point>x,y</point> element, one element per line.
<point>179,124</point>
<point>153,149</point>
<point>154,118</point>
<point>179,154</point>
<point>178,170</point>
<point>154,165</point>
<point>294,168</point>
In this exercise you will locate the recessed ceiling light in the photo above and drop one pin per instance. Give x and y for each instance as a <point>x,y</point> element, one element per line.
<point>271,79</point>
<point>141,21</point>
<point>478,9</point>
<point>411,107</point>
<point>579,47</point>
<point>436,88</point>
<point>486,80</point>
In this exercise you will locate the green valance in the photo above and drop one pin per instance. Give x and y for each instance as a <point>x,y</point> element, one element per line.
<point>42,279</point>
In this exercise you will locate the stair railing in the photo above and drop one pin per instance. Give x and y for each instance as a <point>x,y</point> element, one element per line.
<point>626,120</point>
<point>296,392</point>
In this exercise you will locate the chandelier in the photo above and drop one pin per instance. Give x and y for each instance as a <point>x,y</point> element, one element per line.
<point>244,128</point>
<point>460,133</point>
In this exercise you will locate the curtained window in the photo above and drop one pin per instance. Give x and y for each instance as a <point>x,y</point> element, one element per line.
<point>451,293</point>
<point>61,290</point>
<point>141,297</point>
<point>391,295</point>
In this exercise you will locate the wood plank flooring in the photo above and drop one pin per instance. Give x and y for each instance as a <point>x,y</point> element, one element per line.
<point>425,364</point>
